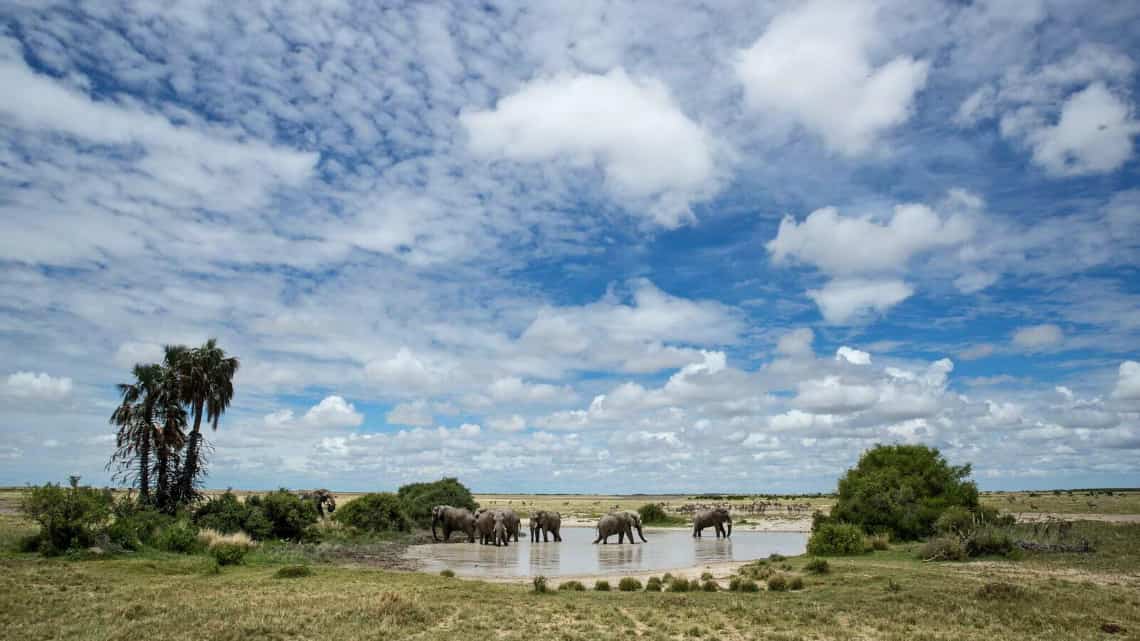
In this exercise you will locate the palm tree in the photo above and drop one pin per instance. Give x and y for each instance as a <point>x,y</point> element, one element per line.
<point>205,381</point>
<point>135,417</point>
<point>170,436</point>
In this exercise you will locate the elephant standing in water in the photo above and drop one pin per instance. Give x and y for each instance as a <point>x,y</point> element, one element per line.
<point>713,518</point>
<point>510,520</point>
<point>453,519</point>
<point>492,527</point>
<point>545,522</point>
<point>621,524</point>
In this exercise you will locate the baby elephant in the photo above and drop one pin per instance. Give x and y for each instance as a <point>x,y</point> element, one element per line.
<point>545,522</point>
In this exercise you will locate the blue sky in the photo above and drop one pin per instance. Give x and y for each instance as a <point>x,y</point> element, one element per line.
<point>618,247</point>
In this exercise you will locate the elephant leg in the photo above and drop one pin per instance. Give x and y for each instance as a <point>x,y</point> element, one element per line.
<point>558,536</point>
<point>696,532</point>
<point>446,533</point>
<point>545,535</point>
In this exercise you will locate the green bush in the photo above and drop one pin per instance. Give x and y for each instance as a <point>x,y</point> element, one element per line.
<point>539,583</point>
<point>796,583</point>
<point>710,586</point>
<point>694,585</point>
<point>836,539</point>
<point>602,586</point>
<point>180,536</point>
<point>419,498</point>
<point>667,577</point>
<point>956,521</point>
<point>734,584</point>
<point>986,541</point>
<point>879,542</point>
<point>943,548</point>
<point>135,525</point>
<point>677,584</point>
<point>653,584</point>
<point>653,513</point>
<point>629,584</point>
<point>706,576</point>
<point>902,489</point>
<point>572,586</point>
<point>229,553</point>
<point>378,512</point>
<point>777,558</point>
<point>293,572</point>
<point>70,518</point>
<point>818,566</point>
<point>777,583</point>
<point>447,573</point>
<point>224,513</point>
<point>748,585</point>
<point>288,516</point>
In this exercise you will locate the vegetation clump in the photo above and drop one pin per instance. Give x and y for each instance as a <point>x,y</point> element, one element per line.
<point>879,542</point>
<point>293,572</point>
<point>447,573</point>
<point>1001,591</point>
<point>70,518</point>
<point>777,583</point>
<point>629,584</point>
<point>748,585</point>
<point>653,584</point>
<point>943,548</point>
<point>180,536</point>
<point>376,512</point>
<point>796,583</point>
<point>654,513</point>
<point>288,516</point>
<point>678,584</point>
<point>539,583</point>
<point>710,586</point>
<point>227,514</point>
<point>229,553</point>
<point>602,585</point>
<point>417,499</point>
<point>818,566</point>
<point>836,539</point>
<point>572,586</point>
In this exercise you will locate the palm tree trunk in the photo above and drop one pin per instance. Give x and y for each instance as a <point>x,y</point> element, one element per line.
<point>162,490</point>
<point>144,465</point>
<point>190,463</point>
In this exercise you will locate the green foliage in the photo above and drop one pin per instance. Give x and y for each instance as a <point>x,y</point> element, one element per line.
<point>419,498</point>
<point>224,513</point>
<point>377,512</point>
<point>539,584</point>
<point>572,586</point>
<point>943,548</point>
<point>287,515</point>
<point>777,583</point>
<point>653,584</point>
<point>902,489</point>
<point>706,576</point>
<point>629,584</point>
<point>694,585</point>
<point>678,584</point>
<point>734,584</point>
<point>710,586</point>
<point>180,536</point>
<point>796,583</point>
<point>69,518</point>
<point>653,513</point>
<point>748,585</point>
<point>447,573</point>
<point>879,542</point>
<point>602,586</point>
<point>956,521</point>
<point>987,540</point>
<point>293,572</point>
<point>135,525</point>
<point>777,558</point>
<point>818,566</point>
<point>229,553</point>
<point>836,539</point>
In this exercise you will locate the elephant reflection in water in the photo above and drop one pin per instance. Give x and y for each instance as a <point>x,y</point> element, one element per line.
<point>619,556</point>
<point>545,559</point>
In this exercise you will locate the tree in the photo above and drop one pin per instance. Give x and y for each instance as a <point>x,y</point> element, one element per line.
<point>902,489</point>
<point>135,418</point>
<point>170,437</point>
<point>420,498</point>
<point>205,380</point>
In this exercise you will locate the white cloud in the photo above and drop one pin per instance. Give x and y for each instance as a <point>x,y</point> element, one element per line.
<point>131,352</point>
<point>513,423</point>
<point>512,389</point>
<point>814,65</point>
<point>831,395</point>
<point>415,413</point>
<point>1035,337</point>
<point>332,412</point>
<point>40,387</point>
<point>796,342</point>
<point>631,127</point>
<point>974,352</point>
<point>847,300</point>
<point>406,371</point>
<point>1128,382</point>
<point>852,355</point>
<point>1093,134</point>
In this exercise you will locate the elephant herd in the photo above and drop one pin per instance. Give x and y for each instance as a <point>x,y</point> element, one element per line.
<point>499,526</point>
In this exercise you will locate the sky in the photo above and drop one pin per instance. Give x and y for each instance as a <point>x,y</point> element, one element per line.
<point>578,247</point>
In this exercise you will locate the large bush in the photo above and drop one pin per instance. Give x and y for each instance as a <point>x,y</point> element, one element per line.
<point>135,524</point>
<point>69,518</point>
<point>419,498</point>
<point>652,513</point>
<point>380,512</point>
<point>227,514</point>
<point>902,489</point>
<point>836,539</point>
<point>287,515</point>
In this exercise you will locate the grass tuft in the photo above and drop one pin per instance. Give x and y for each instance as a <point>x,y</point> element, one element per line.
<point>293,572</point>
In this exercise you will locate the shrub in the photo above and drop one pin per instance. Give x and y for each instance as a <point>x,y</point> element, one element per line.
<point>134,525</point>
<point>956,521</point>
<point>447,573</point>
<point>777,583</point>
<point>796,583</point>
<point>943,548</point>
<point>990,516</point>
<point>653,513</point>
<point>419,498</point>
<point>694,585</point>
<point>836,539</point>
<point>988,540</point>
<point>1001,592</point>
<point>69,518</point>
<point>223,513</point>
<point>293,572</point>
<point>229,553</point>
<point>706,576</point>
<point>710,586</point>
<point>288,516</point>
<point>629,584</point>
<point>777,558</point>
<point>572,586</point>
<point>748,585</point>
<point>602,586</point>
<point>677,584</point>
<point>539,584</point>
<point>180,536</point>
<point>667,577</point>
<point>653,584</point>
<point>818,566</point>
<point>902,489</point>
<point>378,512</point>
<point>734,584</point>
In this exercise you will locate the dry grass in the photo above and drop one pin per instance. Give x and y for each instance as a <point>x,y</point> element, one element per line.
<point>213,538</point>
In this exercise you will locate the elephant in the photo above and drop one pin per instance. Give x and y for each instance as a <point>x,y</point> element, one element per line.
<point>713,518</point>
<point>322,499</point>
<point>453,519</point>
<point>510,520</point>
<point>492,527</point>
<point>621,524</point>
<point>545,522</point>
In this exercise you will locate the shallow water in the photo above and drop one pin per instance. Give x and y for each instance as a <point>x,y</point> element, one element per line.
<point>576,555</point>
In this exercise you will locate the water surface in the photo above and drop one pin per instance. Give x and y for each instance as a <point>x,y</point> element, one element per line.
<point>576,555</point>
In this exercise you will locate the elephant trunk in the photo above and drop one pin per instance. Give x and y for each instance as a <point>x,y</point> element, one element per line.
<point>641,534</point>
<point>433,536</point>
<point>729,532</point>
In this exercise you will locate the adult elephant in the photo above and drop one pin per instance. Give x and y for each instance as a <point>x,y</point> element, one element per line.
<point>632,521</point>
<point>511,521</point>
<point>546,523</point>
<point>621,524</point>
<point>715,518</point>
<point>492,528</point>
<point>453,519</point>
<point>321,499</point>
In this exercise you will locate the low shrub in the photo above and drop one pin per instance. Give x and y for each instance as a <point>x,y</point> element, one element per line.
<point>748,585</point>
<point>229,553</point>
<point>653,584</point>
<point>224,513</point>
<point>667,577</point>
<point>180,536</point>
<point>706,576</point>
<point>678,584</point>
<point>293,572</point>
<point>756,570</point>
<point>447,573</point>
<point>893,586</point>
<point>1001,591</point>
<point>879,542</point>
<point>710,586</point>
<point>989,541</point>
<point>539,584</point>
<point>377,512</point>
<point>777,558</point>
<point>955,520</point>
<point>796,583</point>
<point>135,526</point>
<point>818,566</point>
<point>943,548</point>
<point>602,586</point>
<point>70,518</point>
<point>836,539</point>
<point>289,517</point>
<point>734,584</point>
<point>572,586</point>
<point>694,585</point>
<point>653,513</point>
<point>777,583</point>
<point>629,584</point>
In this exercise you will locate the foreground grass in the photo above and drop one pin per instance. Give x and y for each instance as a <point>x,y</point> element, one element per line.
<point>887,595</point>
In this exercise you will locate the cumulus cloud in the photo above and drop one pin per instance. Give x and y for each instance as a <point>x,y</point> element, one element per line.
<point>406,371</point>
<point>852,355</point>
<point>513,423</point>
<point>331,412</point>
<point>1128,382</point>
<point>132,352</point>
<point>37,386</point>
<point>814,65</point>
<point>1036,337</point>
<point>831,395</point>
<point>1092,135</point>
<point>851,299</point>
<point>631,127</point>
<point>415,413</point>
